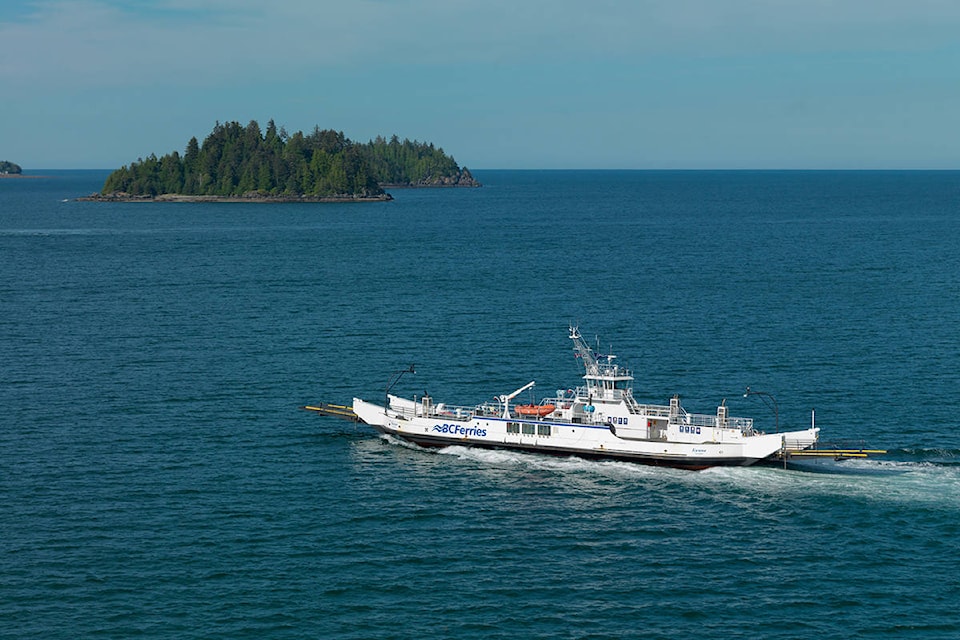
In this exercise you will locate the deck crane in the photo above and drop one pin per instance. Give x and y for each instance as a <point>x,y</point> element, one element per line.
<point>506,399</point>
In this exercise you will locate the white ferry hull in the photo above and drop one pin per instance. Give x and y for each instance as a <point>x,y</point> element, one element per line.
<point>590,441</point>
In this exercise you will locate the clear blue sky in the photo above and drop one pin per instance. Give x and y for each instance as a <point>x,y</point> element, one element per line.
<point>498,83</point>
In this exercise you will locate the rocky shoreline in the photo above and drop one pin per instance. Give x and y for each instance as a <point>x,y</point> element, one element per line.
<point>121,196</point>
<point>429,185</point>
<point>463,179</point>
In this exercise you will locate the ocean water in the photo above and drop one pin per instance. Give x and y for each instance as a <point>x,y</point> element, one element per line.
<point>158,478</point>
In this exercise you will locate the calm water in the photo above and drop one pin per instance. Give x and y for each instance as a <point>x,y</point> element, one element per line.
<point>157,478</point>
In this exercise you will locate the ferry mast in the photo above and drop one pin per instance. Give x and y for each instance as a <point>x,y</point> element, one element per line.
<point>605,380</point>
<point>583,351</point>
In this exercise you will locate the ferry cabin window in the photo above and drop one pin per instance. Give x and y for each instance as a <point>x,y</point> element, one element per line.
<point>513,427</point>
<point>543,429</point>
<point>529,429</point>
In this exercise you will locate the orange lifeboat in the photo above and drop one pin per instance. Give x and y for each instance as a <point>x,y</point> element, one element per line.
<point>539,410</point>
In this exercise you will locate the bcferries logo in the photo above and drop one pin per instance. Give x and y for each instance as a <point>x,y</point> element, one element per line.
<point>459,430</point>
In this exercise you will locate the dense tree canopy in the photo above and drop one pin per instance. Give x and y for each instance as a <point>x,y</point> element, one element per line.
<point>410,163</point>
<point>235,160</point>
<point>9,167</point>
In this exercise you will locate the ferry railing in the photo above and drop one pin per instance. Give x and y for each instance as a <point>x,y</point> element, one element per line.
<point>460,412</point>
<point>447,412</point>
<point>654,410</point>
<point>404,412</point>
<point>706,420</point>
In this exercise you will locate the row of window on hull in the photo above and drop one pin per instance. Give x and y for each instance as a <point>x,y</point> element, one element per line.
<point>528,429</point>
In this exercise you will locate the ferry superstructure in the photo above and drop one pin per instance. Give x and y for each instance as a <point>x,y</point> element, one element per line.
<point>599,419</point>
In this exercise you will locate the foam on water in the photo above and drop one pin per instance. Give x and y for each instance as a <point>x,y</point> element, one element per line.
<point>891,482</point>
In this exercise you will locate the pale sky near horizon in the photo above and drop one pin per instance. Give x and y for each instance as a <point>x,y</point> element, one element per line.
<point>649,84</point>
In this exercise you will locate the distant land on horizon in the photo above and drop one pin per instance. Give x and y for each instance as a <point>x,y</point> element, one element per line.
<point>246,164</point>
<point>8,168</point>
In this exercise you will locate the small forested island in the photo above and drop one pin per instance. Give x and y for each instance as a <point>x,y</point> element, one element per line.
<point>9,168</point>
<point>237,163</point>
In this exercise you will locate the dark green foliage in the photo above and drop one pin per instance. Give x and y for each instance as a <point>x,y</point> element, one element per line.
<point>407,162</point>
<point>235,160</point>
<point>9,167</point>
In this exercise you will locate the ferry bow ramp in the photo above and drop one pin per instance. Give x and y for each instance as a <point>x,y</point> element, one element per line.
<point>335,410</point>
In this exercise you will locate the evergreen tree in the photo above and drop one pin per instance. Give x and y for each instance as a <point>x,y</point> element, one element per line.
<point>191,165</point>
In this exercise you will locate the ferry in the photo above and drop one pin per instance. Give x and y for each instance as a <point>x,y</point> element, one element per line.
<point>599,419</point>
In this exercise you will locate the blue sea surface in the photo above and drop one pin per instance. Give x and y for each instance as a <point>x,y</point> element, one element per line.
<point>158,478</point>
